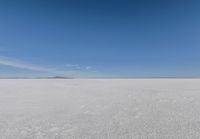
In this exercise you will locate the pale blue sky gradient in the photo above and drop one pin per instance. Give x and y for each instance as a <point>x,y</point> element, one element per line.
<point>105,38</point>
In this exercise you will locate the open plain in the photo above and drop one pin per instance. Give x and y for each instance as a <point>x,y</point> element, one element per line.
<point>99,108</point>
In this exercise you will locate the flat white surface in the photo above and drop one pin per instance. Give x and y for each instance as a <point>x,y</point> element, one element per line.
<point>100,109</point>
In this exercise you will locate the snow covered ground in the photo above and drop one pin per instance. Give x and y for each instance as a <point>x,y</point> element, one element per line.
<point>100,109</point>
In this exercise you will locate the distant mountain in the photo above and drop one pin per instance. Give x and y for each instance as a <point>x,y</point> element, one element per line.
<point>54,77</point>
<point>59,77</point>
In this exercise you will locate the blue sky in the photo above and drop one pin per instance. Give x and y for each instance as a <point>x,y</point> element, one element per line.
<point>100,38</point>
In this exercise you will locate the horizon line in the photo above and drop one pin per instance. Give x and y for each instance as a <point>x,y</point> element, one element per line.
<point>62,77</point>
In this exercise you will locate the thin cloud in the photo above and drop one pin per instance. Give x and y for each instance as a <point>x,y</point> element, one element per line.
<point>22,65</point>
<point>79,68</point>
<point>71,69</point>
<point>90,69</point>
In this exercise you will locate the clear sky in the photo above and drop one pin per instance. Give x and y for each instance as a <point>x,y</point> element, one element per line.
<point>106,38</point>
